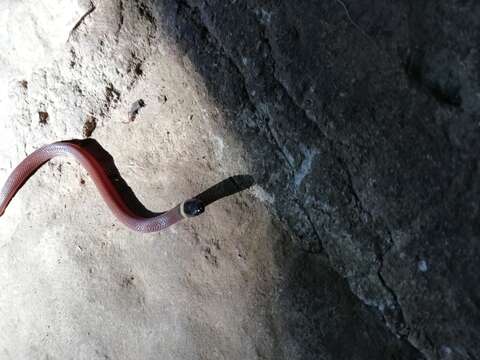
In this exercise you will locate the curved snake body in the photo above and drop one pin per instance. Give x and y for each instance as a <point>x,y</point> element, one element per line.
<point>109,192</point>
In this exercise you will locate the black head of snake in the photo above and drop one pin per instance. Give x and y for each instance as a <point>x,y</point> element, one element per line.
<point>193,207</point>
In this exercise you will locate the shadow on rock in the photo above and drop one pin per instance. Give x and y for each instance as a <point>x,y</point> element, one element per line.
<point>224,188</point>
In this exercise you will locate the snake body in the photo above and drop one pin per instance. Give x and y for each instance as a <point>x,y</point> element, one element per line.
<point>108,191</point>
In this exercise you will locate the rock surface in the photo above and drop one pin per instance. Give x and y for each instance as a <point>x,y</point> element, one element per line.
<point>359,123</point>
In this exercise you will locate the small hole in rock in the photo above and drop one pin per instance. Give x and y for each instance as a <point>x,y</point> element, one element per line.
<point>138,69</point>
<point>89,126</point>
<point>43,117</point>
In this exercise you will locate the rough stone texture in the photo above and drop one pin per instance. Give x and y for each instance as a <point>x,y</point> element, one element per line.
<point>359,122</point>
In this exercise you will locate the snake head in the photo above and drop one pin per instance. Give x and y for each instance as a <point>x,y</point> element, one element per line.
<point>193,207</point>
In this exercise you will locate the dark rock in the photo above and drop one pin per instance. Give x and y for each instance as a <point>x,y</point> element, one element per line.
<point>363,123</point>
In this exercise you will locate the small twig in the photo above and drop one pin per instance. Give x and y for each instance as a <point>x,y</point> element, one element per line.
<point>363,32</point>
<point>79,22</point>
<point>342,4</point>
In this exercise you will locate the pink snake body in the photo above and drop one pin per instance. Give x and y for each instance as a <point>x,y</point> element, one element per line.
<point>108,191</point>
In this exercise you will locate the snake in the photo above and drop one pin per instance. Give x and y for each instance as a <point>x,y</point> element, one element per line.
<point>110,193</point>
